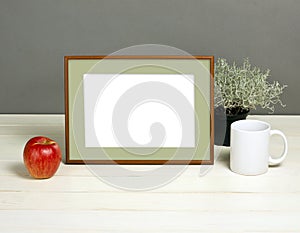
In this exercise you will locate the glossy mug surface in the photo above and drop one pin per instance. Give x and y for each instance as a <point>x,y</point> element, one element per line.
<point>249,151</point>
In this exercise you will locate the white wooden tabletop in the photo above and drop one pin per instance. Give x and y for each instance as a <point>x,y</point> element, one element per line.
<point>75,200</point>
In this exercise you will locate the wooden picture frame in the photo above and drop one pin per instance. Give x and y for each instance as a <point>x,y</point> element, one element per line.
<point>83,71</point>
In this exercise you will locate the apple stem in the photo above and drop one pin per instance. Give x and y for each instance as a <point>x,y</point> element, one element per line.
<point>45,141</point>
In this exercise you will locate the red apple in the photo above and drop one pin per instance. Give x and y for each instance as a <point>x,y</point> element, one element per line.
<point>42,157</point>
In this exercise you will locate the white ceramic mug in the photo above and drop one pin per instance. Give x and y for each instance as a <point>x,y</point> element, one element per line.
<point>249,151</point>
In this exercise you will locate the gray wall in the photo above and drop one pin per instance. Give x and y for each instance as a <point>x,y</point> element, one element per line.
<point>36,34</point>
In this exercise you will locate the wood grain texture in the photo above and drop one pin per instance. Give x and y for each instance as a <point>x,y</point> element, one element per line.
<point>75,200</point>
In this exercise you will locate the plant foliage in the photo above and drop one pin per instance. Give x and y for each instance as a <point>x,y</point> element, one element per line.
<point>242,88</point>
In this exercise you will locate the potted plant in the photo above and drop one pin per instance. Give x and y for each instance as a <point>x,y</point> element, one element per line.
<point>238,90</point>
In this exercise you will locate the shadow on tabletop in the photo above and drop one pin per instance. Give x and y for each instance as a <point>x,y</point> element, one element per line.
<point>224,157</point>
<point>20,170</point>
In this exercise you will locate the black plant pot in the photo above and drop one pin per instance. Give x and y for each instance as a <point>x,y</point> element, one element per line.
<point>222,126</point>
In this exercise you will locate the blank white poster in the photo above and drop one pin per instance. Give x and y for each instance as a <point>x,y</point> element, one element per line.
<point>139,110</point>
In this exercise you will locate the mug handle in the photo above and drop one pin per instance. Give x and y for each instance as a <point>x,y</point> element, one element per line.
<point>273,161</point>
